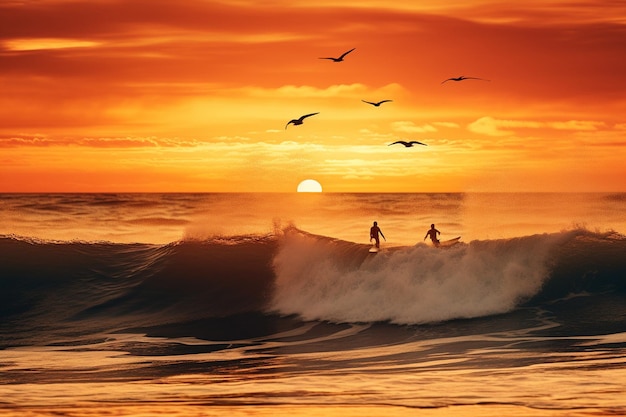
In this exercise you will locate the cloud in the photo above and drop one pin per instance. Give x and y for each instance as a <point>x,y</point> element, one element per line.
<point>494,127</point>
<point>576,125</point>
<point>354,90</point>
<point>36,141</point>
<point>410,127</point>
<point>449,125</point>
<point>498,127</point>
<point>102,142</point>
<point>310,92</point>
<point>46,43</point>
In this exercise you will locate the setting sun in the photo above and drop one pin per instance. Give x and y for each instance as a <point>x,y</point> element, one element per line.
<point>309,186</point>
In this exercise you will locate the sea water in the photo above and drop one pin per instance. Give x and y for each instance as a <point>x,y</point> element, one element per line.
<point>271,304</point>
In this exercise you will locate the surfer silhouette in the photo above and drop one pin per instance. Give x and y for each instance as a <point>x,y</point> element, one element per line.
<point>433,235</point>
<point>374,231</point>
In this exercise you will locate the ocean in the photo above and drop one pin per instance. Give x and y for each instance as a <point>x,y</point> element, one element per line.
<point>269,304</point>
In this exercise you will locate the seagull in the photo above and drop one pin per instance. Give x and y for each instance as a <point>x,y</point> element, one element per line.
<point>462,77</point>
<point>376,104</point>
<point>341,57</point>
<point>408,144</point>
<point>300,120</point>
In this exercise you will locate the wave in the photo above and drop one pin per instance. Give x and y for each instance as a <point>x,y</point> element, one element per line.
<point>321,279</point>
<point>297,273</point>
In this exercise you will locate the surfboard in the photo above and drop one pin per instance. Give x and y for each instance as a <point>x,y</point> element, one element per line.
<point>374,249</point>
<point>448,243</point>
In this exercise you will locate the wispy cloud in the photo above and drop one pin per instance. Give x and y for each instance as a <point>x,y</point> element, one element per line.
<point>46,43</point>
<point>103,142</point>
<point>500,127</point>
<point>410,127</point>
<point>355,90</point>
<point>580,125</point>
<point>449,125</point>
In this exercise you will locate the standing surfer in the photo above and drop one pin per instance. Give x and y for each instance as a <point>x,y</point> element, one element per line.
<point>433,235</point>
<point>374,231</point>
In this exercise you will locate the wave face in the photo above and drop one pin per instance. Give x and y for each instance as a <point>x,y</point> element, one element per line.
<point>112,286</point>
<point>107,287</point>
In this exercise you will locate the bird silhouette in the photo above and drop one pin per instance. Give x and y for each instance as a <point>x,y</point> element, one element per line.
<point>462,77</point>
<point>376,104</point>
<point>300,120</point>
<point>408,144</point>
<point>341,57</point>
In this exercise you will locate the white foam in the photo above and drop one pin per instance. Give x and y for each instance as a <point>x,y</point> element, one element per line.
<point>320,279</point>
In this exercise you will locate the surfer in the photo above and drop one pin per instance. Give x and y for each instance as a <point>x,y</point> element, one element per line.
<point>374,231</point>
<point>433,235</point>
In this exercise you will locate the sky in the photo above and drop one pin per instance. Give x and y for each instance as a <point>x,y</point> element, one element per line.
<point>195,95</point>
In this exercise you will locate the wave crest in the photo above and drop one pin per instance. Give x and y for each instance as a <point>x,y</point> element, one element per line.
<point>296,273</point>
<point>323,279</point>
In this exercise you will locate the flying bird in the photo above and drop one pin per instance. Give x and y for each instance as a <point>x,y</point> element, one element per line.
<point>376,104</point>
<point>408,144</point>
<point>341,57</point>
<point>300,120</point>
<point>462,77</point>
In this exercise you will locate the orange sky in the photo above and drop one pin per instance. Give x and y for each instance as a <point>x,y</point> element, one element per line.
<point>164,95</point>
